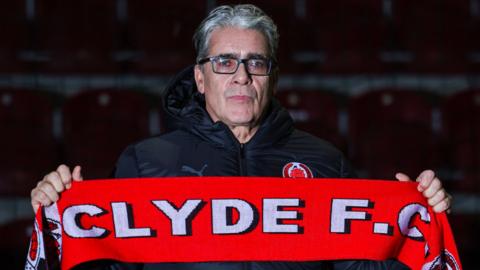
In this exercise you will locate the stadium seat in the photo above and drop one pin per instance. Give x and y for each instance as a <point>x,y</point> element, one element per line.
<point>98,124</point>
<point>14,30</point>
<point>314,111</point>
<point>438,41</point>
<point>76,37</point>
<point>390,131</point>
<point>160,32</point>
<point>28,146</point>
<point>461,129</point>
<point>339,37</point>
<point>474,45</point>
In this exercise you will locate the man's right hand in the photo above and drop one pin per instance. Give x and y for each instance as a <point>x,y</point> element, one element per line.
<point>49,188</point>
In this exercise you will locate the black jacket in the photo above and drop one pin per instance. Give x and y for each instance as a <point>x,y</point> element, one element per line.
<point>200,147</point>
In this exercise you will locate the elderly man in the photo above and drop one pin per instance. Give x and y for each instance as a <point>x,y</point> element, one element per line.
<point>232,126</point>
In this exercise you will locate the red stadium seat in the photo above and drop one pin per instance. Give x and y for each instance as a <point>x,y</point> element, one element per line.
<point>436,32</point>
<point>161,32</point>
<point>14,30</point>
<point>99,124</point>
<point>314,111</point>
<point>339,36</point>
<point>28,146</point>
<point>461,126</point>
<point>76,36</point>
<point>390,131</point>
<point>474,45</point>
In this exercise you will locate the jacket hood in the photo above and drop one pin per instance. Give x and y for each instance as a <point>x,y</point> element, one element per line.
<point>183,102</point>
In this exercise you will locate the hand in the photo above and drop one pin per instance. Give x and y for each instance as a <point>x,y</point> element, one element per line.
<point>48,190</point>
<point>432,189</point>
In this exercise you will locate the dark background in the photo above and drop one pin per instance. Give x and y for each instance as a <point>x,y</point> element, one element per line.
<point>393,83</point>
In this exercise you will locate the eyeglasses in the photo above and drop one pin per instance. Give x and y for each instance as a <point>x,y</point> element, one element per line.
<point>229,65</point>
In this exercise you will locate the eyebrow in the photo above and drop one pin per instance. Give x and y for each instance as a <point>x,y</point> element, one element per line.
<point>256,56</point>
<point>228,55</point>
<point>249,56</point>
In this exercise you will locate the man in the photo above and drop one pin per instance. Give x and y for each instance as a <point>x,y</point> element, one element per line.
<point>231,126</point>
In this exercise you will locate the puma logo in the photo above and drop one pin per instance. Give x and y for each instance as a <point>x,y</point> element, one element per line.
<point>189,169</point>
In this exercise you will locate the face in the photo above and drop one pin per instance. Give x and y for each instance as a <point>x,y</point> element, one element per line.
<point>237,99</point>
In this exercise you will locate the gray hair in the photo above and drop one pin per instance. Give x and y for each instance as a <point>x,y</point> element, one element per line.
<point>241,16</point>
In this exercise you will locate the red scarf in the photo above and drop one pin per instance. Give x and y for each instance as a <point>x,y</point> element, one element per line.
<point>193,219</point>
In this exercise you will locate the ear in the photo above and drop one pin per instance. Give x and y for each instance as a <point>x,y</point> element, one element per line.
<point>199,79</point>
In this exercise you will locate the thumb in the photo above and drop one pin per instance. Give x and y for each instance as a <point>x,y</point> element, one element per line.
<point>77,174</point>
<point>402,177</point>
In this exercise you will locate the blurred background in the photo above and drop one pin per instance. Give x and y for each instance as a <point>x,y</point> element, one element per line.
<point>393,83</point>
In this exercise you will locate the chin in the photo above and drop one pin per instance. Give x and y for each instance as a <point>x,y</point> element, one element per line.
<point>241,121</point>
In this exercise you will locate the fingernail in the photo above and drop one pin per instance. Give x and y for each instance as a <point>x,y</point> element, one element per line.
<point>423,183</point>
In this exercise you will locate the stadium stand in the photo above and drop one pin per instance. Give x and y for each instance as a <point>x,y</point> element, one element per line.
<point>164,49</point>
<point>314,111</point>
<point>385,127</point>
<point>461,130</point>
<point>76,36</point>
<point>26,139</point>
<point>98,124</point>
<point>15,37</point>
<point>438,41</point>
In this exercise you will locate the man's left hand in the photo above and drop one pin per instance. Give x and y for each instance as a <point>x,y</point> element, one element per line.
<point>432,189</point>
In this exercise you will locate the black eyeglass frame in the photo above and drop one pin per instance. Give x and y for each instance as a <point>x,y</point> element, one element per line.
<point>211,59</point>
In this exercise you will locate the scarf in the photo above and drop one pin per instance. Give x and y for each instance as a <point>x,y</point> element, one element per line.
<point>211,219</point>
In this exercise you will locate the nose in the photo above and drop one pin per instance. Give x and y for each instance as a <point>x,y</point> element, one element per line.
<point>242,76</point>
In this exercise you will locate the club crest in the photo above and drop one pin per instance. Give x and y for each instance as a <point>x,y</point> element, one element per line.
<point>443,261</point>
<point>296,170</point>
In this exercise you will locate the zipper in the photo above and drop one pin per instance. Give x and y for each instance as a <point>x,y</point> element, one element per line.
<point>242,164</point>
<point>241,160</point>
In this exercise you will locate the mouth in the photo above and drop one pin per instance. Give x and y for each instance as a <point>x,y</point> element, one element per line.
<point>240,98</point>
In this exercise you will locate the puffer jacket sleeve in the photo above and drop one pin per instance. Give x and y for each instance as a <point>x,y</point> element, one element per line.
<point>346,169</point>
<point>127,165</point>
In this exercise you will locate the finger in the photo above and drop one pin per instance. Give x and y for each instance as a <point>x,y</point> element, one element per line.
<point>425,179</point>
<point>55,180</point>
<point>39,198</point>
<point>402,177</point>
<point>433,188</point>
<point>35,200</point>
<point>65,175</point>
<point>77,173</point>
<point>442,206</point>
<point>50,191</point>
<point>437,197</point>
